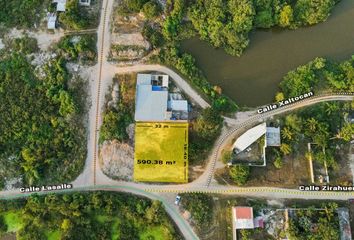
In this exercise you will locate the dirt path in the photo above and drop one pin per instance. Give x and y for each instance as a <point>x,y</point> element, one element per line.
<point>100,78</point>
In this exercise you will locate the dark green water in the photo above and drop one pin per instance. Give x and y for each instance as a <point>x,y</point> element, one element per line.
<point>252,80</point>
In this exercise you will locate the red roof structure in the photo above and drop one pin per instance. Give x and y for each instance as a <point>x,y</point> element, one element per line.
<point>243,217</point>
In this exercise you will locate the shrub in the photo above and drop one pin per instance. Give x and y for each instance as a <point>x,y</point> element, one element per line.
<point>239,174</point>
<point>151,9</point>
<point>75,17</point>
<point>153,36</point>
<point>82,49</point>
<point>200,207</point>
<point>26,45</point>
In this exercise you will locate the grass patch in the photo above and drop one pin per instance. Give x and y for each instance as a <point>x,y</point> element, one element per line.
<point>13,221</point>
<point>53,235</point>
<point>102,218</point>
<point>161,152</point>
<point>156,233</point>
<point>115,229</point>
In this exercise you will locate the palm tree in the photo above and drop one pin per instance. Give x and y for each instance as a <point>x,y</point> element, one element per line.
<point>331,108</point>
<point>287,133</point>
<point>311,125</point>
<point>285,148</point>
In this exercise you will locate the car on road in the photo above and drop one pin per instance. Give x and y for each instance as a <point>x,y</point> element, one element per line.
<point>178,199</point>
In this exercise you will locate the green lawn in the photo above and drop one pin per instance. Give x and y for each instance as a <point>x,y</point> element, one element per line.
<point>13,221</point>
<point>115,229</point>
<point>53,235</point>
<point>115,224</point>
<point>157,232</point>
<point>102,218</point>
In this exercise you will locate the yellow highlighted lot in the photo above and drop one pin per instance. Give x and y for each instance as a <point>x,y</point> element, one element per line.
<point>161,152</point>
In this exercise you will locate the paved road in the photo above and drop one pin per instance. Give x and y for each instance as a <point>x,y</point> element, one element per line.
<point>257,118</point>
<point>100,83</point>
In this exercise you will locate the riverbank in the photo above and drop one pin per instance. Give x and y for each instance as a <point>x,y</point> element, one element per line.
<point>252,79</point>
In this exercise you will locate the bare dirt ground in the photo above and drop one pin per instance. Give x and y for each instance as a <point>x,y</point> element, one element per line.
<point>45,39</point>
<point>342,175</point>
<point>128,44</point>
<point>293,173</point>
<point>117,160</point>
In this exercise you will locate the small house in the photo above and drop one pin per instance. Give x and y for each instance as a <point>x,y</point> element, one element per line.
<point>242,218</point>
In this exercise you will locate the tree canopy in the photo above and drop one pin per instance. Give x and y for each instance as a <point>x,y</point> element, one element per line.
<point>41,133</point>
<point>227,23</point>
<point>98,215</point>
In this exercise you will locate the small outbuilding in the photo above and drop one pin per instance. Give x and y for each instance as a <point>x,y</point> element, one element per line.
<point>85,3</point>
<point>52,21</point>
<point>61,5</point>
<point>273,136</point>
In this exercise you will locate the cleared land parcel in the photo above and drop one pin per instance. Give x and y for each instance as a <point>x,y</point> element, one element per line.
<point>161,152</point>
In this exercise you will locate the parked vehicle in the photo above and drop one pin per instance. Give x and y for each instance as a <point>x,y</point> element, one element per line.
<point>178,199</point>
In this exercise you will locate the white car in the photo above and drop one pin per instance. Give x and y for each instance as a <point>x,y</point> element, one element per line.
<point>178,199</point>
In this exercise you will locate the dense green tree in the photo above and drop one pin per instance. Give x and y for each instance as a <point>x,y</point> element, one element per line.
<point>172,24</point>
<point>267,12</point>
<point>75,216</point>
<point>286,16</point>
<point>78,48</point>
<point>208,124</point>
<point>200,207</point>
<point>347,132</point>
<point>21,13</point>
<point>224,24</point>
<point>152,9</point>
<point>40,130</point>
<point>153,36</point>
<point>326,222</point>
<point>309,12</point>
<point>203,133</point>
<point>75,17</point>
<point>3,226</point>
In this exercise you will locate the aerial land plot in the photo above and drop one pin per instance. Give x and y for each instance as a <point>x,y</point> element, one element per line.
<point>161,152</point>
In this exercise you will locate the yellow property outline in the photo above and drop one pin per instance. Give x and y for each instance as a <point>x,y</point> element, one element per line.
<point>161,152</point>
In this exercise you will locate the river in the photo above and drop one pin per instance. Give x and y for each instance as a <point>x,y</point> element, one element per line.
<point>252,79</point>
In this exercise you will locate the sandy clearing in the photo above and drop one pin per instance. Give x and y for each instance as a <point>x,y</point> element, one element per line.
<point>45,39</point>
